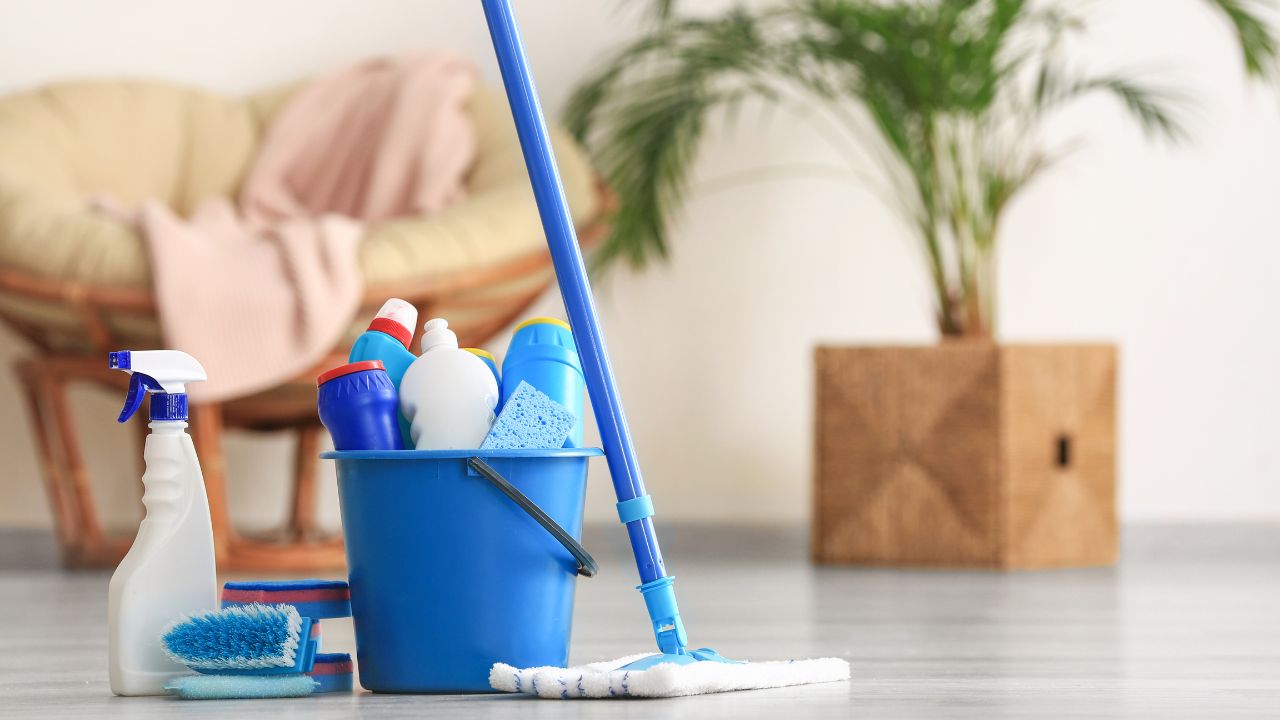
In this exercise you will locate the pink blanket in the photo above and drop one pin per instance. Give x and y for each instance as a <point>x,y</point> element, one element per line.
<point>261,294</point>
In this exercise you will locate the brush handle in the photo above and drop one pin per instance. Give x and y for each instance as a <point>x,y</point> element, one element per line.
<point>633,505</point>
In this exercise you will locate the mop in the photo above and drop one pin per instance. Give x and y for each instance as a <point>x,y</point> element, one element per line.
<point>675,670</point>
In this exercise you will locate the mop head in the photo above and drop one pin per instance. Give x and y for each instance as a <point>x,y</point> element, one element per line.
<point>609,680</point>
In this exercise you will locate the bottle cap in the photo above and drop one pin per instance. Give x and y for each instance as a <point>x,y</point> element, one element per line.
<point>482,354</point>
<point>542,321</point>
<point>349,368</point>
<point>436,333</point>
<point>397,318</point>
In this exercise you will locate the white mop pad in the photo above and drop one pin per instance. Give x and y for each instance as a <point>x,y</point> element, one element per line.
<point>605,680</point>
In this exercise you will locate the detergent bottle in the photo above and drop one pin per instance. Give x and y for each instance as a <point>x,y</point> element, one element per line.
<point>542,353</point>
<point>387,340</point>
<point>448,395</point>
<point>169,572</point>
<point>360,407</point>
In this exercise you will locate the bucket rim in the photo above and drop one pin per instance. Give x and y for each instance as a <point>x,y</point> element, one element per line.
<point>459,454</point>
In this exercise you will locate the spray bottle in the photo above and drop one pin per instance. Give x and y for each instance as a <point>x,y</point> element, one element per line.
<point>169,572</point>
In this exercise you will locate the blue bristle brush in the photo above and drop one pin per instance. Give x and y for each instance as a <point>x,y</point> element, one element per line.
<point>243,651</point>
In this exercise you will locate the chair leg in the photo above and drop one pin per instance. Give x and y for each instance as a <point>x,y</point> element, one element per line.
<point>54,388</point>
<point>65,514</point>
<point>302,515</point>
<point>80,533</point>
<point>206,433</point>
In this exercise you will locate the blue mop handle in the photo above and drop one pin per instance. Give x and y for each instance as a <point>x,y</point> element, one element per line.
<point>634,506</point>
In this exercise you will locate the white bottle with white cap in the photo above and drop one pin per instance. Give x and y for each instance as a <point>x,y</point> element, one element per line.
<point>447,394</point>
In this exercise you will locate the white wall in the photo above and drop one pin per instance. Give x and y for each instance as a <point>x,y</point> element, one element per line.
<point>1170,252</point>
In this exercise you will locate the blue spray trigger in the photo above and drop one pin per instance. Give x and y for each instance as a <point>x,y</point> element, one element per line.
<point>139,385</point>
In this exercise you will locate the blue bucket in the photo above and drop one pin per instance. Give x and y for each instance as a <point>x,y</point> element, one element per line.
<point>450,575</point>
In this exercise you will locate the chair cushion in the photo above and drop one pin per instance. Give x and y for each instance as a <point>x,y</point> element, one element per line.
<point>137,140</point>
<point>129,140</point>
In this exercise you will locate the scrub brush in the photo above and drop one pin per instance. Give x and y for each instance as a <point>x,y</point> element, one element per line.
<point>250,650</point>
<point>675,669</point>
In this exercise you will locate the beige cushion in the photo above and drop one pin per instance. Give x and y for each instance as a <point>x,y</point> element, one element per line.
<point>138,140</point>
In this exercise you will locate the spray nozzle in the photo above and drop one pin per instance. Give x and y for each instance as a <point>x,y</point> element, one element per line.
<point>164,372</point>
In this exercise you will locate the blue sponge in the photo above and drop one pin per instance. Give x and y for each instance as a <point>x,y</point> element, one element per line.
<point>313,598</point>
<point>225,687</point>
<point>332,673</point>
<point>530,420</point>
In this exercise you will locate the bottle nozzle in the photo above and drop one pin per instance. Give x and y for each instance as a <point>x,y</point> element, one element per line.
<point>436,333</point>
<point>165,372</point>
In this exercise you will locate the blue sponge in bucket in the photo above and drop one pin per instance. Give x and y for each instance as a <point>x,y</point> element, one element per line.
<point>530,420</point>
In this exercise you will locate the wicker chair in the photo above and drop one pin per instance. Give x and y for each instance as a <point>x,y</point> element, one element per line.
<point>76,284</point>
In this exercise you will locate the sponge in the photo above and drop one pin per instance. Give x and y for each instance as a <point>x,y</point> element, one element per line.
<point>530,420</point>
<point>313,598</point>
<point>226,687</point>
<point>332,672</point>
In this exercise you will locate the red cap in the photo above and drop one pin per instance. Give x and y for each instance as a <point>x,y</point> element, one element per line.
<point>396,318</point>
<point>349,368</point>
<point>394,329</point>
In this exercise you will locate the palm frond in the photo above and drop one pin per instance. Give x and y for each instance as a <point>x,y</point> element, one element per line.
<point>656,119</point>
<point>1155,109</point>
<point>946,95</point>
<point>1149,106</point>
<point>1258,46</point>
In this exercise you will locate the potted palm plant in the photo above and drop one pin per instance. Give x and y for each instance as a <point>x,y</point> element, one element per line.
<point>966,453</point>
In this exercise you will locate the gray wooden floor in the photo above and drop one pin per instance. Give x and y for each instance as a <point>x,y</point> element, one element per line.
<point>1187,626</point>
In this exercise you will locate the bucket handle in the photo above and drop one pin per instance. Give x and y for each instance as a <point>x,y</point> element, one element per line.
<point>586,564</point>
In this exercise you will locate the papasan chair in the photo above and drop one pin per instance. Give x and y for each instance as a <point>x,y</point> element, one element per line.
<point>76,283</point>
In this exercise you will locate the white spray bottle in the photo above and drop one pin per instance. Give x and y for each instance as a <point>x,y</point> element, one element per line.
<point>169,572</point>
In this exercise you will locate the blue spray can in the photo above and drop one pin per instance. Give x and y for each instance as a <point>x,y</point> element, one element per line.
<point>387,340</point>
<point>359,405</point>
<point>543,354</point>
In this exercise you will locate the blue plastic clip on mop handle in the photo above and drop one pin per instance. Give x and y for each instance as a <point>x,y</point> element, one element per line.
<point>634,507</point>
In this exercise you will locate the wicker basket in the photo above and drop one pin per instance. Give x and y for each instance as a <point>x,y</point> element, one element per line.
<point>966,454</point>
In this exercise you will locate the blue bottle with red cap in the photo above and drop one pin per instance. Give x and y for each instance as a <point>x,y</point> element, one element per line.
<point>387,340</point>
<point>359,405</point>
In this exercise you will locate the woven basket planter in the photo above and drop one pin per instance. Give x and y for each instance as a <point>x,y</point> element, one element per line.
<point>966,454</point>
